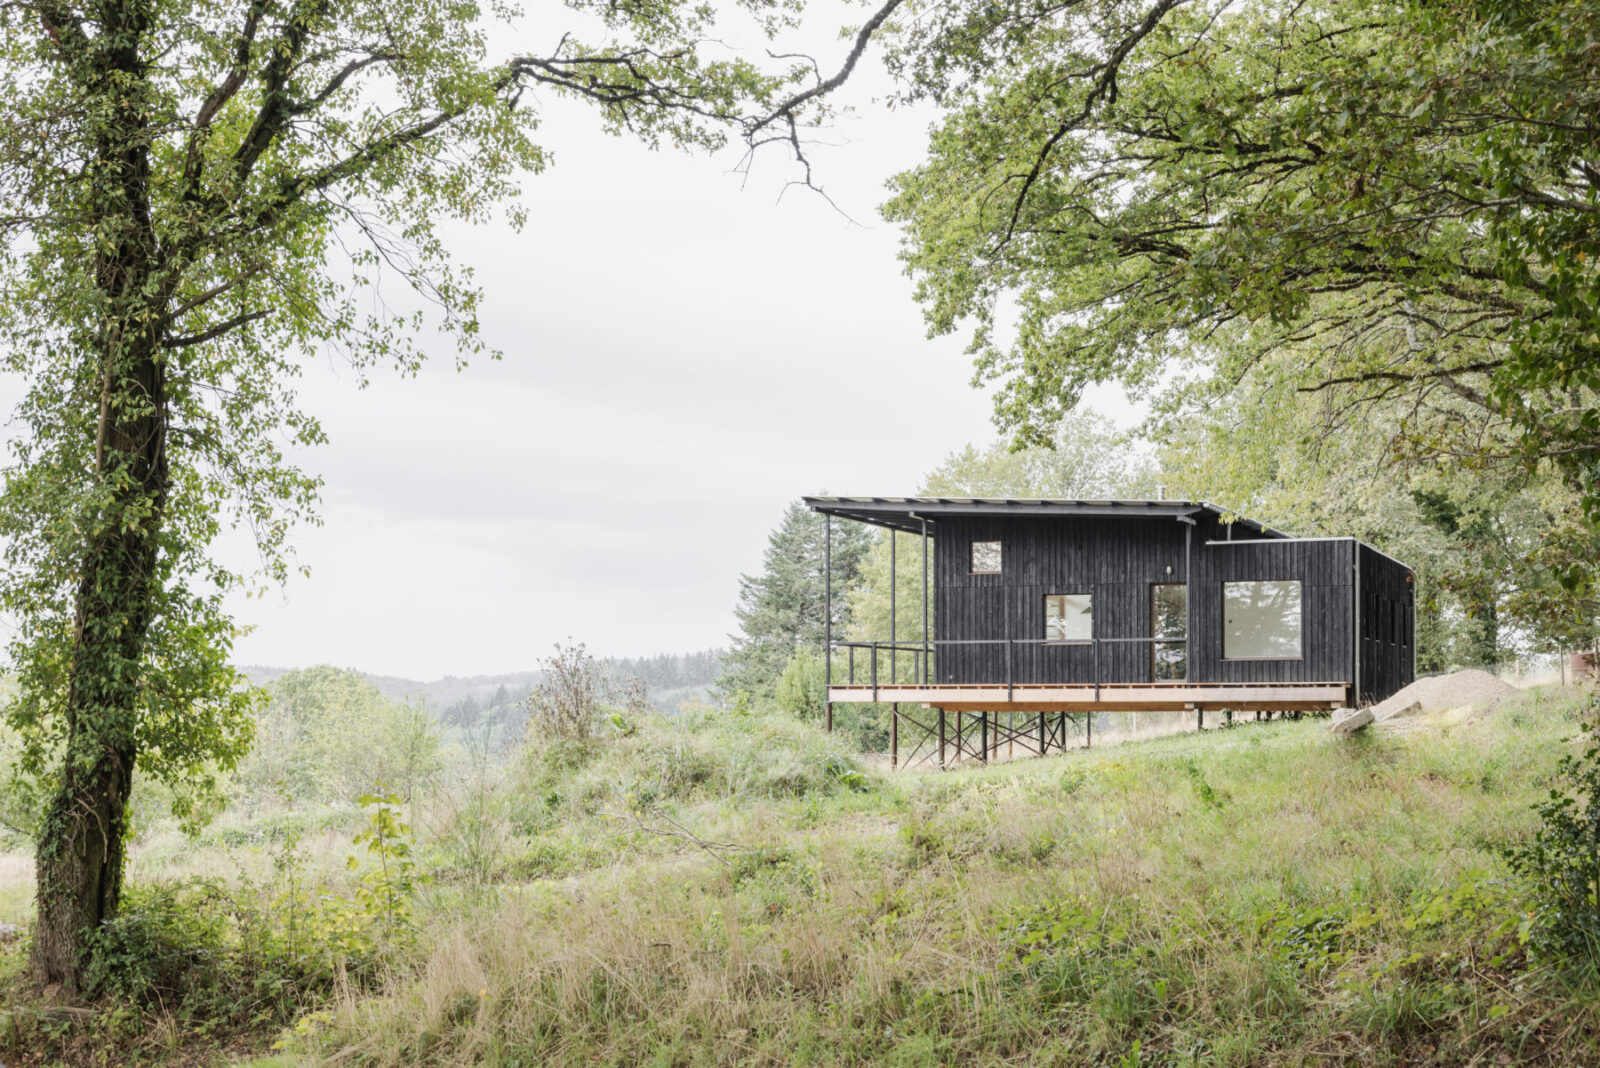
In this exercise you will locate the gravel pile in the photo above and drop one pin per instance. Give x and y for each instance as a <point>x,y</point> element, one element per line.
<point>1469,687</point>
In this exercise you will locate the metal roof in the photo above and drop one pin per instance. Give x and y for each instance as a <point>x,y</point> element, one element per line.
<point>907,513</point>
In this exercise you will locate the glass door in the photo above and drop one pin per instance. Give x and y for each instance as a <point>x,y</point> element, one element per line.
<point>1169,626</point>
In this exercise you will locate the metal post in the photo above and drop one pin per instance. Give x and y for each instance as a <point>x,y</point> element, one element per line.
<point>926,648</point>
<point>827,619</point>
<point>1199,719</point>
<point>983,735</point>
<point>1088,728</point>
<point>894,651</point>
<point>1188,601</point>
<point>941,738</point>
<point>894,735</point>
<point>874,672</point>
<point>960,726</point>
<point>1043,745</point>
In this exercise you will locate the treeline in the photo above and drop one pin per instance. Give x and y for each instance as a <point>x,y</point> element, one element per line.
<point>668,671</point>
<point>664,678</point>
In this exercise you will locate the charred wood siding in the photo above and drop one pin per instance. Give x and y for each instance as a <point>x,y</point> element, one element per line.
<point>1114,560</point>
<point>1388,626</point>
<point>1117,561</point>
<point>1324,570</point>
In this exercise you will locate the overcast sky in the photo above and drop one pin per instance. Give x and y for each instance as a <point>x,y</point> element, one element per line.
<point>685,353</point>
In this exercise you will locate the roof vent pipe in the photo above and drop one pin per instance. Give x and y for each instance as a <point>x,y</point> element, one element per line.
<point>1161,491</point>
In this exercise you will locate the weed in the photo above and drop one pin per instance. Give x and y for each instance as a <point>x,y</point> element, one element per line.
<point>1208,795</point>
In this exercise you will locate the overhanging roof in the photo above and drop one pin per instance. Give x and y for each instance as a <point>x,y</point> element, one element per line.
<point>907,513</point>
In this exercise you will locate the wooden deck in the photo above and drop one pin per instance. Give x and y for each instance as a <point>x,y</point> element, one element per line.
<point>1106,697</point>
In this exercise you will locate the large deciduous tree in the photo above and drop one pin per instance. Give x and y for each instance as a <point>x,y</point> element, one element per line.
<point>1378,202</point>
<point>195,197</point>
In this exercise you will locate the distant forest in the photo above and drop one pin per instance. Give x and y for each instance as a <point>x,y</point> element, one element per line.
<point>669,680</point>
<point>498,700</point>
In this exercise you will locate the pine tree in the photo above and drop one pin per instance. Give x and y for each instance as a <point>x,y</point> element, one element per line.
<point>781,610</point>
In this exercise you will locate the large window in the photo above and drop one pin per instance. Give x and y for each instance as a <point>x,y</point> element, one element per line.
<point>1068,617</point>
<point>1261,620</point>
<point>986,558</point>
<point>1169,626</point>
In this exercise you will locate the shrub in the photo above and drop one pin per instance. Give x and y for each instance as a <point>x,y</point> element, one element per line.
<point>1562,863</point>
<point>565,706</point>
<point>800,687</point>
<point>228,961</point>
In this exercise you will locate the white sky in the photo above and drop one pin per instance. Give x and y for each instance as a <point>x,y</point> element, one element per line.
<point>684,354</point>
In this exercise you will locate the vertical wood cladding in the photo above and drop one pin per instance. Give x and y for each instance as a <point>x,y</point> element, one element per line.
<point>1118,560</point>
<point>1388,626</point>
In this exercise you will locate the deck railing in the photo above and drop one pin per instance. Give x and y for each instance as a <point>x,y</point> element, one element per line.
<point>924,656</point>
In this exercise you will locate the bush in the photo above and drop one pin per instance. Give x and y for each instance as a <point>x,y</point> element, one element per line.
<point>1562,863</point>
<point>226,960</point>
<point>801,687</point>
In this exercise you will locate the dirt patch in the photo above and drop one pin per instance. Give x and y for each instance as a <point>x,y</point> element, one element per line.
<point>1469,687</point>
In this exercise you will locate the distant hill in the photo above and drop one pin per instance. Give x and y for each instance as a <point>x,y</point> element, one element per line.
<point>435,696</point>
<point>670,678</point>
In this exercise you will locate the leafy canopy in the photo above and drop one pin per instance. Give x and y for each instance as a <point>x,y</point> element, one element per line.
<point>1393,200</point>
<point>197,199</point>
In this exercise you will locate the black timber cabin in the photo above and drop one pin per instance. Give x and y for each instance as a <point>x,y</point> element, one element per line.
<point>1068,605</point>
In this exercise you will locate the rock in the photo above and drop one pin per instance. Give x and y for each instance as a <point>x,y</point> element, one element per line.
<point>1436,692</point>
<point>1403,712</point>
<point>1353,722</point>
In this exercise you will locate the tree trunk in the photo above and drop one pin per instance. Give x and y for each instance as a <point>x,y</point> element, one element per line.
<point>80,862</point>
<point>81,840</point>
<point>81,843</point>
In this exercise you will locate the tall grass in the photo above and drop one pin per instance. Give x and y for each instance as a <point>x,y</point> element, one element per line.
<point>1264,895</point>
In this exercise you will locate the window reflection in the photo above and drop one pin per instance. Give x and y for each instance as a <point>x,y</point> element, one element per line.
<point>1169,623</point>
<point>1068,617</point>
<point>1261,620</point>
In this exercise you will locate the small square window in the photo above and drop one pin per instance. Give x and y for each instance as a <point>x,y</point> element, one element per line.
<point>986,558</point>
<point>1068,617</point>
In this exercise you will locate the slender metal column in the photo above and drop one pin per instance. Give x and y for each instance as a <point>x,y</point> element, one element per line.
<point>894,735</point>
<point>941,738</point>
<point>894,574</point>
<point>827,620</point>
<point>1188,600</point>
<point>926,648</point>
<point>983,735</point>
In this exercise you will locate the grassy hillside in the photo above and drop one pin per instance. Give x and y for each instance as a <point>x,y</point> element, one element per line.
<point>737,891</point>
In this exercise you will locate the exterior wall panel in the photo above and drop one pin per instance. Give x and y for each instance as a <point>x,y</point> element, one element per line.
<point>1388,626</point>
<point>1118,561</point>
